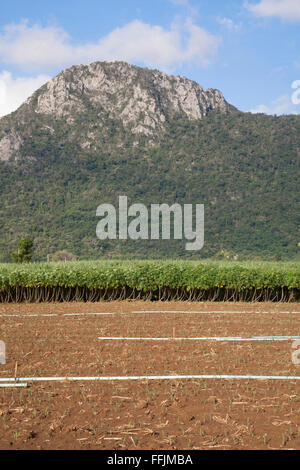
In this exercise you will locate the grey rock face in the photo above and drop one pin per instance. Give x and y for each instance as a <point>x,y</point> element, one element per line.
<point>142,99</point>
<point>139,97</point>
<point>9,145</point>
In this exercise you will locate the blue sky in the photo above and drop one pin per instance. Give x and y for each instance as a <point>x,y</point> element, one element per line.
<point>250,50</point>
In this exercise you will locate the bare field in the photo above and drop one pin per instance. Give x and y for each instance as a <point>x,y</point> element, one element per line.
<point>149,414</point>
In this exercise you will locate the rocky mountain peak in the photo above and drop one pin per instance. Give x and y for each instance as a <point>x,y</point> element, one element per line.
<point>143,99</point>
<point>140,97</point>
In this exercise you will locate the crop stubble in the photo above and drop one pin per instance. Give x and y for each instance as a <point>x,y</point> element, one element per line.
<point>179,414</point>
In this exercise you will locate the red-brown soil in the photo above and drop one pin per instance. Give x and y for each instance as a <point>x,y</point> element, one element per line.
<point>160,414</point>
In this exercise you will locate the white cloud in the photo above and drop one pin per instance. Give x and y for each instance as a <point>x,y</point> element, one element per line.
<point>13,92</point>
<point>284,9</point>
<point>193,11</point>
<point>282,105</point>
<point>229,24</point>
<point>38,48</point>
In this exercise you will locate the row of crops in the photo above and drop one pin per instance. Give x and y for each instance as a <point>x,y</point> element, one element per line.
<point>150,280</point>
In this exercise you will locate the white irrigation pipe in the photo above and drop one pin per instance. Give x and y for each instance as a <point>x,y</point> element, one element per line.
<point>15,315</point>
<point>151,377</point>
<point>92,313</point>
<point>13,385</point>
<point>204,312</point>
<point>136,312</point>
<point>55,314</point>
<point>225,338</point>
<point>30,315</point>
<point>184,311</point>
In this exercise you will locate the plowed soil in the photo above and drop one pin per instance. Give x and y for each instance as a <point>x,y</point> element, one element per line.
<point>149,414</point>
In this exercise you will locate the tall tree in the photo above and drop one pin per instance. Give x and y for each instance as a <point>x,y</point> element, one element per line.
<point>24,251</point>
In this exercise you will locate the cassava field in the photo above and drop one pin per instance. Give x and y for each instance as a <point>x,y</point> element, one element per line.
<point>161,369</point>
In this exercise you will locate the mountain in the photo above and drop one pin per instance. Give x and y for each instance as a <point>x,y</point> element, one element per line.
<point>90,97</point>
<point>95,132</point>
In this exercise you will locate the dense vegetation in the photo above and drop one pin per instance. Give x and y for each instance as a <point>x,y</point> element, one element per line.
<point>155,280</point>
<point>244,168</point>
